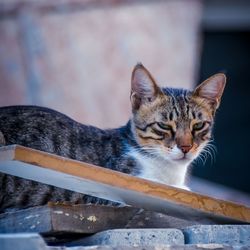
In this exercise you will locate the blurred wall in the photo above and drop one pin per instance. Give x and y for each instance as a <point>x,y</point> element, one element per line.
<point>77,56</point>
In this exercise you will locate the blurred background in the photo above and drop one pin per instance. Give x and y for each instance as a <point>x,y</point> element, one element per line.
<point>76,56</point>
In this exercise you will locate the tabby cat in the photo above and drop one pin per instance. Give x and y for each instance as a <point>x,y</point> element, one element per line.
<point>167,131</point>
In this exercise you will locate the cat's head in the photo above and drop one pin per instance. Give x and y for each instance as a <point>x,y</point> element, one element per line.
<point>175,124</point>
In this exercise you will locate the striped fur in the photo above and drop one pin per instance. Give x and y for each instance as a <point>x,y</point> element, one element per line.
<point>172,126</point>
<point>167,131</point>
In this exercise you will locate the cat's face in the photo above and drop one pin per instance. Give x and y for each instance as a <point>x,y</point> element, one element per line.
<point>174,124</point>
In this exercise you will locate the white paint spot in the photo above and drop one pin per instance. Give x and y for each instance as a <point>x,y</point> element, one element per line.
<point>92,218</point>
<point>31,216</point>
<point>210,246</point>
<point>58,212</point>
<point>33,226</point>
<point>66,214</point>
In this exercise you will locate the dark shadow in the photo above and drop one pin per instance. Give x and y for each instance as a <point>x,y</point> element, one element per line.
<point>229,52</point>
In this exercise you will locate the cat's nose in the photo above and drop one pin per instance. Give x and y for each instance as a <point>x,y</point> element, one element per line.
<point>185,148</point>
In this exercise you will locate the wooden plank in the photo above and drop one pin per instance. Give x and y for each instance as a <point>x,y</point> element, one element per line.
<point>55,219</point>
<point>104,183</point>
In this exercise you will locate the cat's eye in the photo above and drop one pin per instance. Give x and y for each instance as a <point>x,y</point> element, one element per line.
<point>164,126</point>
<point>198,125</point>
<point>160,133</point>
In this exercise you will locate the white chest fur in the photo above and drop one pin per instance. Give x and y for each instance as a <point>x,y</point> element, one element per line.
<point>161,170</point>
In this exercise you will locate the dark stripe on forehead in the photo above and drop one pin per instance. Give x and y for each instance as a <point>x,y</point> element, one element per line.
<point>188,110</point>
<point>171,116</point>
<point>173,100</point>
<point>175,106</point>
<point>165,115</point>
<point>176,111</point>
<point>179,100</point>
<point>187,103</point>
<point>183,106</point>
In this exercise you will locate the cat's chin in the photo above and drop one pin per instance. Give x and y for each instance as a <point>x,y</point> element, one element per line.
<point>179,159</point>
<point>184,159</point>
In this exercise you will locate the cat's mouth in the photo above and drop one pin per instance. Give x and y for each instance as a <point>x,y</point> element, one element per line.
<point>184,158</point>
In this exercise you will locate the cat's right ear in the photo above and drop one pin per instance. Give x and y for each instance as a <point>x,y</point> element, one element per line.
<point>212,89</point>
<point>143,87</point>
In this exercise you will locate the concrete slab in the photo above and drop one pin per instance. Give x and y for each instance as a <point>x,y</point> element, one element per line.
<point>221,234</point>
<point>134,237</point>
<point>27,241</point>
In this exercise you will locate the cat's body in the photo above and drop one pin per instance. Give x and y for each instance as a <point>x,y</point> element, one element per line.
<point>50,131</point>
<point>167,131</point>
<point>53,132</point>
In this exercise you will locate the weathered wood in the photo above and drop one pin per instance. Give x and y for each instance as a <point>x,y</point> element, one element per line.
<point>104,183</point>
<point>54,219</point>
<point>57,218</point>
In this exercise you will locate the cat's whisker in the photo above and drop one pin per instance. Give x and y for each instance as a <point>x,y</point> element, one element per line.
<point>152,152</point>
<point>155,152</point>
<point>202,157</point>
<point>209,155</point>
<point>211,150</point>
<point>211,146</point>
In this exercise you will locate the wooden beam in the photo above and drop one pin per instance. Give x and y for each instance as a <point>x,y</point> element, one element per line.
<point>57,218</point>
<point>104,183</point>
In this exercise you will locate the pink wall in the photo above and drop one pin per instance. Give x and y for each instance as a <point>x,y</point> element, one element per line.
<point>79,60</point>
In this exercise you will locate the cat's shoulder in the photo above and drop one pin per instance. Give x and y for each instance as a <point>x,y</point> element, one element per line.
<point>28,109</point>
<point>32,110</point>
<point>44,116</point>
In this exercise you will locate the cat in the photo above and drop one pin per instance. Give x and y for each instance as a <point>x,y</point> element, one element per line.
<point>168,129</point>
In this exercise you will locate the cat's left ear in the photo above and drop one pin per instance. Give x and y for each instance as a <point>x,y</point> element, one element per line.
<point>212,89</point>
<point>144,89</point>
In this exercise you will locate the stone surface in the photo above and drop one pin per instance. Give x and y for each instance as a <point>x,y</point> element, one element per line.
<point>35,242</point>
<point>221,234</point>
<point>134,237</point>
<point>162,247</point>
<point>22,242</point>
